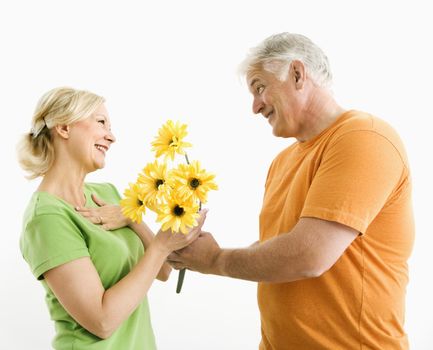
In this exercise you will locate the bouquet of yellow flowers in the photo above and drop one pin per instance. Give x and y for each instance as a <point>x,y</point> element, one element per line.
<point>174,194</point>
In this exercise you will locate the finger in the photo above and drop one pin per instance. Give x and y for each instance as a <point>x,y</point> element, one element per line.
<point>82,209</point>
<point>201,220</point>
<point>173,257</point>
<point>94,219</point>
<point>98,200</point>
<point>203,213</point>
<point>192,235</point>
<point>106,227</point>
<point>195,231</point>
<point>86,214</point>
<point>176,266</point>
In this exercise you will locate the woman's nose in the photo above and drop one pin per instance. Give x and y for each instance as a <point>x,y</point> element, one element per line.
<point>110,137</point>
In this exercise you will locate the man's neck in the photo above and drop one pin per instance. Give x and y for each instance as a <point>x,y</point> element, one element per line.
<point>321,112</point>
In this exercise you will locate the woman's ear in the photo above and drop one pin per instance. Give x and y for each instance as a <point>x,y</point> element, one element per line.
<point>62,131</point>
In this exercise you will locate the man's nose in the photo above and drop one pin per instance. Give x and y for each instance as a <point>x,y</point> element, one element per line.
<point>257,105</point>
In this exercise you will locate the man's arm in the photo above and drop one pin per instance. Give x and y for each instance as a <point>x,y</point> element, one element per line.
<point>309,250</point>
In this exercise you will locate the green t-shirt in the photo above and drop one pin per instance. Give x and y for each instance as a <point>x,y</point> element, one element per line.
<point>54,234</point>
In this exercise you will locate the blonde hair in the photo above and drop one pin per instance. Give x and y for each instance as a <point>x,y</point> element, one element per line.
<point>59,106</point>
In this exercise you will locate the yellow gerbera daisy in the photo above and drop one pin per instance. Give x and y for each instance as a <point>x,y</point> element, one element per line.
<point>193,181</point>
<point>170,140</point>
<point>153,181</point>
<point>133,205</point>
<point>178,214</point>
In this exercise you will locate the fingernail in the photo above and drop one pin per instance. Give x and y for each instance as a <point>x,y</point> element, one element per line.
<point>77,208</point>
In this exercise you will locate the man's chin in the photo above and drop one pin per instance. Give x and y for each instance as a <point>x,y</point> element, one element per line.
<point>280,133</point>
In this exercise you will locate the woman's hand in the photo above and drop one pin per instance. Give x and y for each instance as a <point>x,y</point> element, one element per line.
<point>109,216</point>
<point>169,242</point>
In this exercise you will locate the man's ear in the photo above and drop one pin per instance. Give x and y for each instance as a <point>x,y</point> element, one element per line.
<point>298,74</point>
<point>62,131</point>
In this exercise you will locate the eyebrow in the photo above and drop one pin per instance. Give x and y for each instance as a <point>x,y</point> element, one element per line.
<point>255,80</point>
<point>105,117</point>
<point>101,115</point>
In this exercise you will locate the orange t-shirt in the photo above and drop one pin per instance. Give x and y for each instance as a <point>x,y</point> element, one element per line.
<point>356,173</point>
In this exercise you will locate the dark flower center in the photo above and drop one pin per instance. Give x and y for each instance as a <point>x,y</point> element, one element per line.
<point>174,142</point>
<point>158,183</point>
<point>194,183</point>
<point>178,211</point>
<point>139,202</point>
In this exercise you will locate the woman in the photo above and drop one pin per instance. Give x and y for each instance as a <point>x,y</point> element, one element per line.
<point>96,280</point>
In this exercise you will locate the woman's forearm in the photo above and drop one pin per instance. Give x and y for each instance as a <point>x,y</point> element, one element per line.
<point>119,301</point>
<point>143,232</point>
<point>146,236</point>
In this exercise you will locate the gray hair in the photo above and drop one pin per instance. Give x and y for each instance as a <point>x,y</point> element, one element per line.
<point>276,53</point>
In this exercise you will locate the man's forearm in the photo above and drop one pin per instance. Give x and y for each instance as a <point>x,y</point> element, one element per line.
<point>271,261</point>
<point>309,250</point>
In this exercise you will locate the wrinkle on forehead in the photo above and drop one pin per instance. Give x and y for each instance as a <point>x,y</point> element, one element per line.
<point>253,77</point>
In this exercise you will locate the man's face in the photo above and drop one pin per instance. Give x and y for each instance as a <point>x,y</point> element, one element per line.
<point>277,101</point>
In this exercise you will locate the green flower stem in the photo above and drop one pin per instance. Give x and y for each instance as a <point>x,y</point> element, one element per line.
<point>180,280</point>
<point>181,275</point>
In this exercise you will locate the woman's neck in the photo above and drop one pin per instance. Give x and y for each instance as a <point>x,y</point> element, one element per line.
<point>65,183</point>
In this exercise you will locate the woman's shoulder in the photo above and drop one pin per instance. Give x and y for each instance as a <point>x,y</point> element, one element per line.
<point>45,213</point>
<point>44,203</point>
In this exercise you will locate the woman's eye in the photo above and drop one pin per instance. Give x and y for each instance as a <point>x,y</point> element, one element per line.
<point>102,121</point>
<point>260,89</point>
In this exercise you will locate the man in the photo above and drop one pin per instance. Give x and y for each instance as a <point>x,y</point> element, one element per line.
<point>336,227</point>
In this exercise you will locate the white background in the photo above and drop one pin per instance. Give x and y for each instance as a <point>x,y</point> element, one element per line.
<point>154,61</point>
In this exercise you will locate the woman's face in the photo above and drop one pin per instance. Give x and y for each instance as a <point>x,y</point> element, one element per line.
<point>90,139</point>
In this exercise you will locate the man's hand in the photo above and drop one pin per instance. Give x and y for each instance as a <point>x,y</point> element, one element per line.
<point>109,216</point>
<point>202,255</point>
<point>310,249</point>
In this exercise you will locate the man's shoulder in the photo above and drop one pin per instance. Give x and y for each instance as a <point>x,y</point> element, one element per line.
<point>361,121</point>
<point>364,127</point>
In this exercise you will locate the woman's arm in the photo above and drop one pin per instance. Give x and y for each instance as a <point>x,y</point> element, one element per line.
<point>79,289</point>
<point>146,236</point>
<point>110,217</point>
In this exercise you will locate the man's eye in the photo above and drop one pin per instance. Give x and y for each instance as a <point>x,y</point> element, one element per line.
<point>260,89</point>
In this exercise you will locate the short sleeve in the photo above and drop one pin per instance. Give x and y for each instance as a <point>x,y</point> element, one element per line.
<point>357,175</point>
<point>50,240</point>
